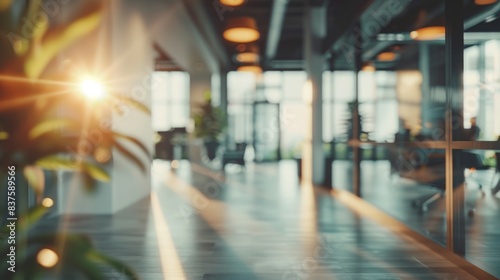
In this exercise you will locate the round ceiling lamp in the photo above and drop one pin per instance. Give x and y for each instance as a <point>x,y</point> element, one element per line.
<point>232,3</point>
<point>368,67</point>
<point>250,68</point>
<point>428,33</point>
<point>241,30</point>
<point>484,2</point>
<point>247,54</point>
<point>386,56</point>
<point>247,57</point>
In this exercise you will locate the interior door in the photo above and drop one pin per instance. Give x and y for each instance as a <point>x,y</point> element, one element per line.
<point>266,132</point>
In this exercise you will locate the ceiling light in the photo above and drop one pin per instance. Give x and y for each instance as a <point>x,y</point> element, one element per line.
<point>368,68</point>
<point>250,68</point>
<point>247,57</point>
<point>386,56</point>
<point>428,33</point>
<point>232,3</point>
<point>484,2</point>
<point>241,30</point>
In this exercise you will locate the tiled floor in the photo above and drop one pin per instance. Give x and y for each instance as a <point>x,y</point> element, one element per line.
<point>256,224</point>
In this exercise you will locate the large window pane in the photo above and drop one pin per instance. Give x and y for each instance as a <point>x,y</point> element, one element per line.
<point>170,99</point>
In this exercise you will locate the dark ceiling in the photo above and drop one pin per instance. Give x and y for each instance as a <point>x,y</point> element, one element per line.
<point>341,17</point>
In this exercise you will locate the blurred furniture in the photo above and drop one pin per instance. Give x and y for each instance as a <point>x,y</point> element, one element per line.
<point>169,141</point>
<point>236,156</point>
<point>473,162</point>
<point>423,166</point>
<point>496,188</point>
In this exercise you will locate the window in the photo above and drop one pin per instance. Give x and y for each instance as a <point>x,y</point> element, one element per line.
<point>170,100</point>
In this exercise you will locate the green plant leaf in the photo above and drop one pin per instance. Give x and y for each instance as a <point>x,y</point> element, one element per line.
<point>130,156</point>
<point>63,163</point>
<point>32,217</point>
<point>130,102</point>
<point>50,125</point>
<point>35,177</point>
<point>96,172</point>
<point>56,162</point>
<point>134,141</point>
<point>57,41</point>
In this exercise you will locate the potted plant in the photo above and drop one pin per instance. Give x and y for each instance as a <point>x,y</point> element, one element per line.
<point>33,138</point>
<point>209,125</point>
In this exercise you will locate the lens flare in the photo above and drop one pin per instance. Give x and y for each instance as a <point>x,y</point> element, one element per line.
<point>92,89</point>
<point>47,258</point>
<point>47,202</point>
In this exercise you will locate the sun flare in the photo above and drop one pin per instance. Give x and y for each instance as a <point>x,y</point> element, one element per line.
<point>92,89</point>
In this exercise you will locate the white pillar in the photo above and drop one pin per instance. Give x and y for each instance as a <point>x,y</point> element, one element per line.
<point>313,155</point>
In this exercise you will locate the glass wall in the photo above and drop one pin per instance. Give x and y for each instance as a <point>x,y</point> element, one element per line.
<point>427,100</point>
<point>477,165</point>
<point>400,103</point>
<point>267,112</point>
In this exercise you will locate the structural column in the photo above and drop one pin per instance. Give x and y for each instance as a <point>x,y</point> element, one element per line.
<point>455,181</point>
<point>200,85</point>
<point>313,155</point>
<point>356,123</point>
<point>224,101</point>
<point>425,70</point>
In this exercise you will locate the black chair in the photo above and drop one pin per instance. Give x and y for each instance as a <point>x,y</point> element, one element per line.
<point>164,149</point>
<point>496,188</point>
<point>236,156</point>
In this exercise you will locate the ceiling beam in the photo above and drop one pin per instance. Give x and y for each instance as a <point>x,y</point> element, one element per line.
<point>199,16</point>
<point>475,20</point>
<point>377,16</point>
<point>276,26</point>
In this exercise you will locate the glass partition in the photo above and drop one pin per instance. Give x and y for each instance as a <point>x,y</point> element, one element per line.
<point>479,159</point>
<point>401,107</point>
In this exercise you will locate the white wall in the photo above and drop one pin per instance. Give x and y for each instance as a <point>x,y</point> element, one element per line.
<point>126,61</point>
<point>136,25</point>
<point>132,62</point>
<point>89,55</point>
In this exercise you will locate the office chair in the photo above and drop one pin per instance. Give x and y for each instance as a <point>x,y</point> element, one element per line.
<point>496,188</point>
<point>424,203</point>
<point>236,156</point>
<point>473,162</point>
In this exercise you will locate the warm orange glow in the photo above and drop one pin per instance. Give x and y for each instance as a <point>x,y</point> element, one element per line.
<point>386,56</point>
<point>232,3</point>
<point>247,57</point>
<point>47,202</point>
<point>369,68</point>
<point>102,155</point>
<point>428,33</point>
<point>484,2</point>
<point>4,135</point>
<point>250,68</point>
<point>92,89</point>
<point>241,30</point>
<point>47,258</point>
<point>241,35</point>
